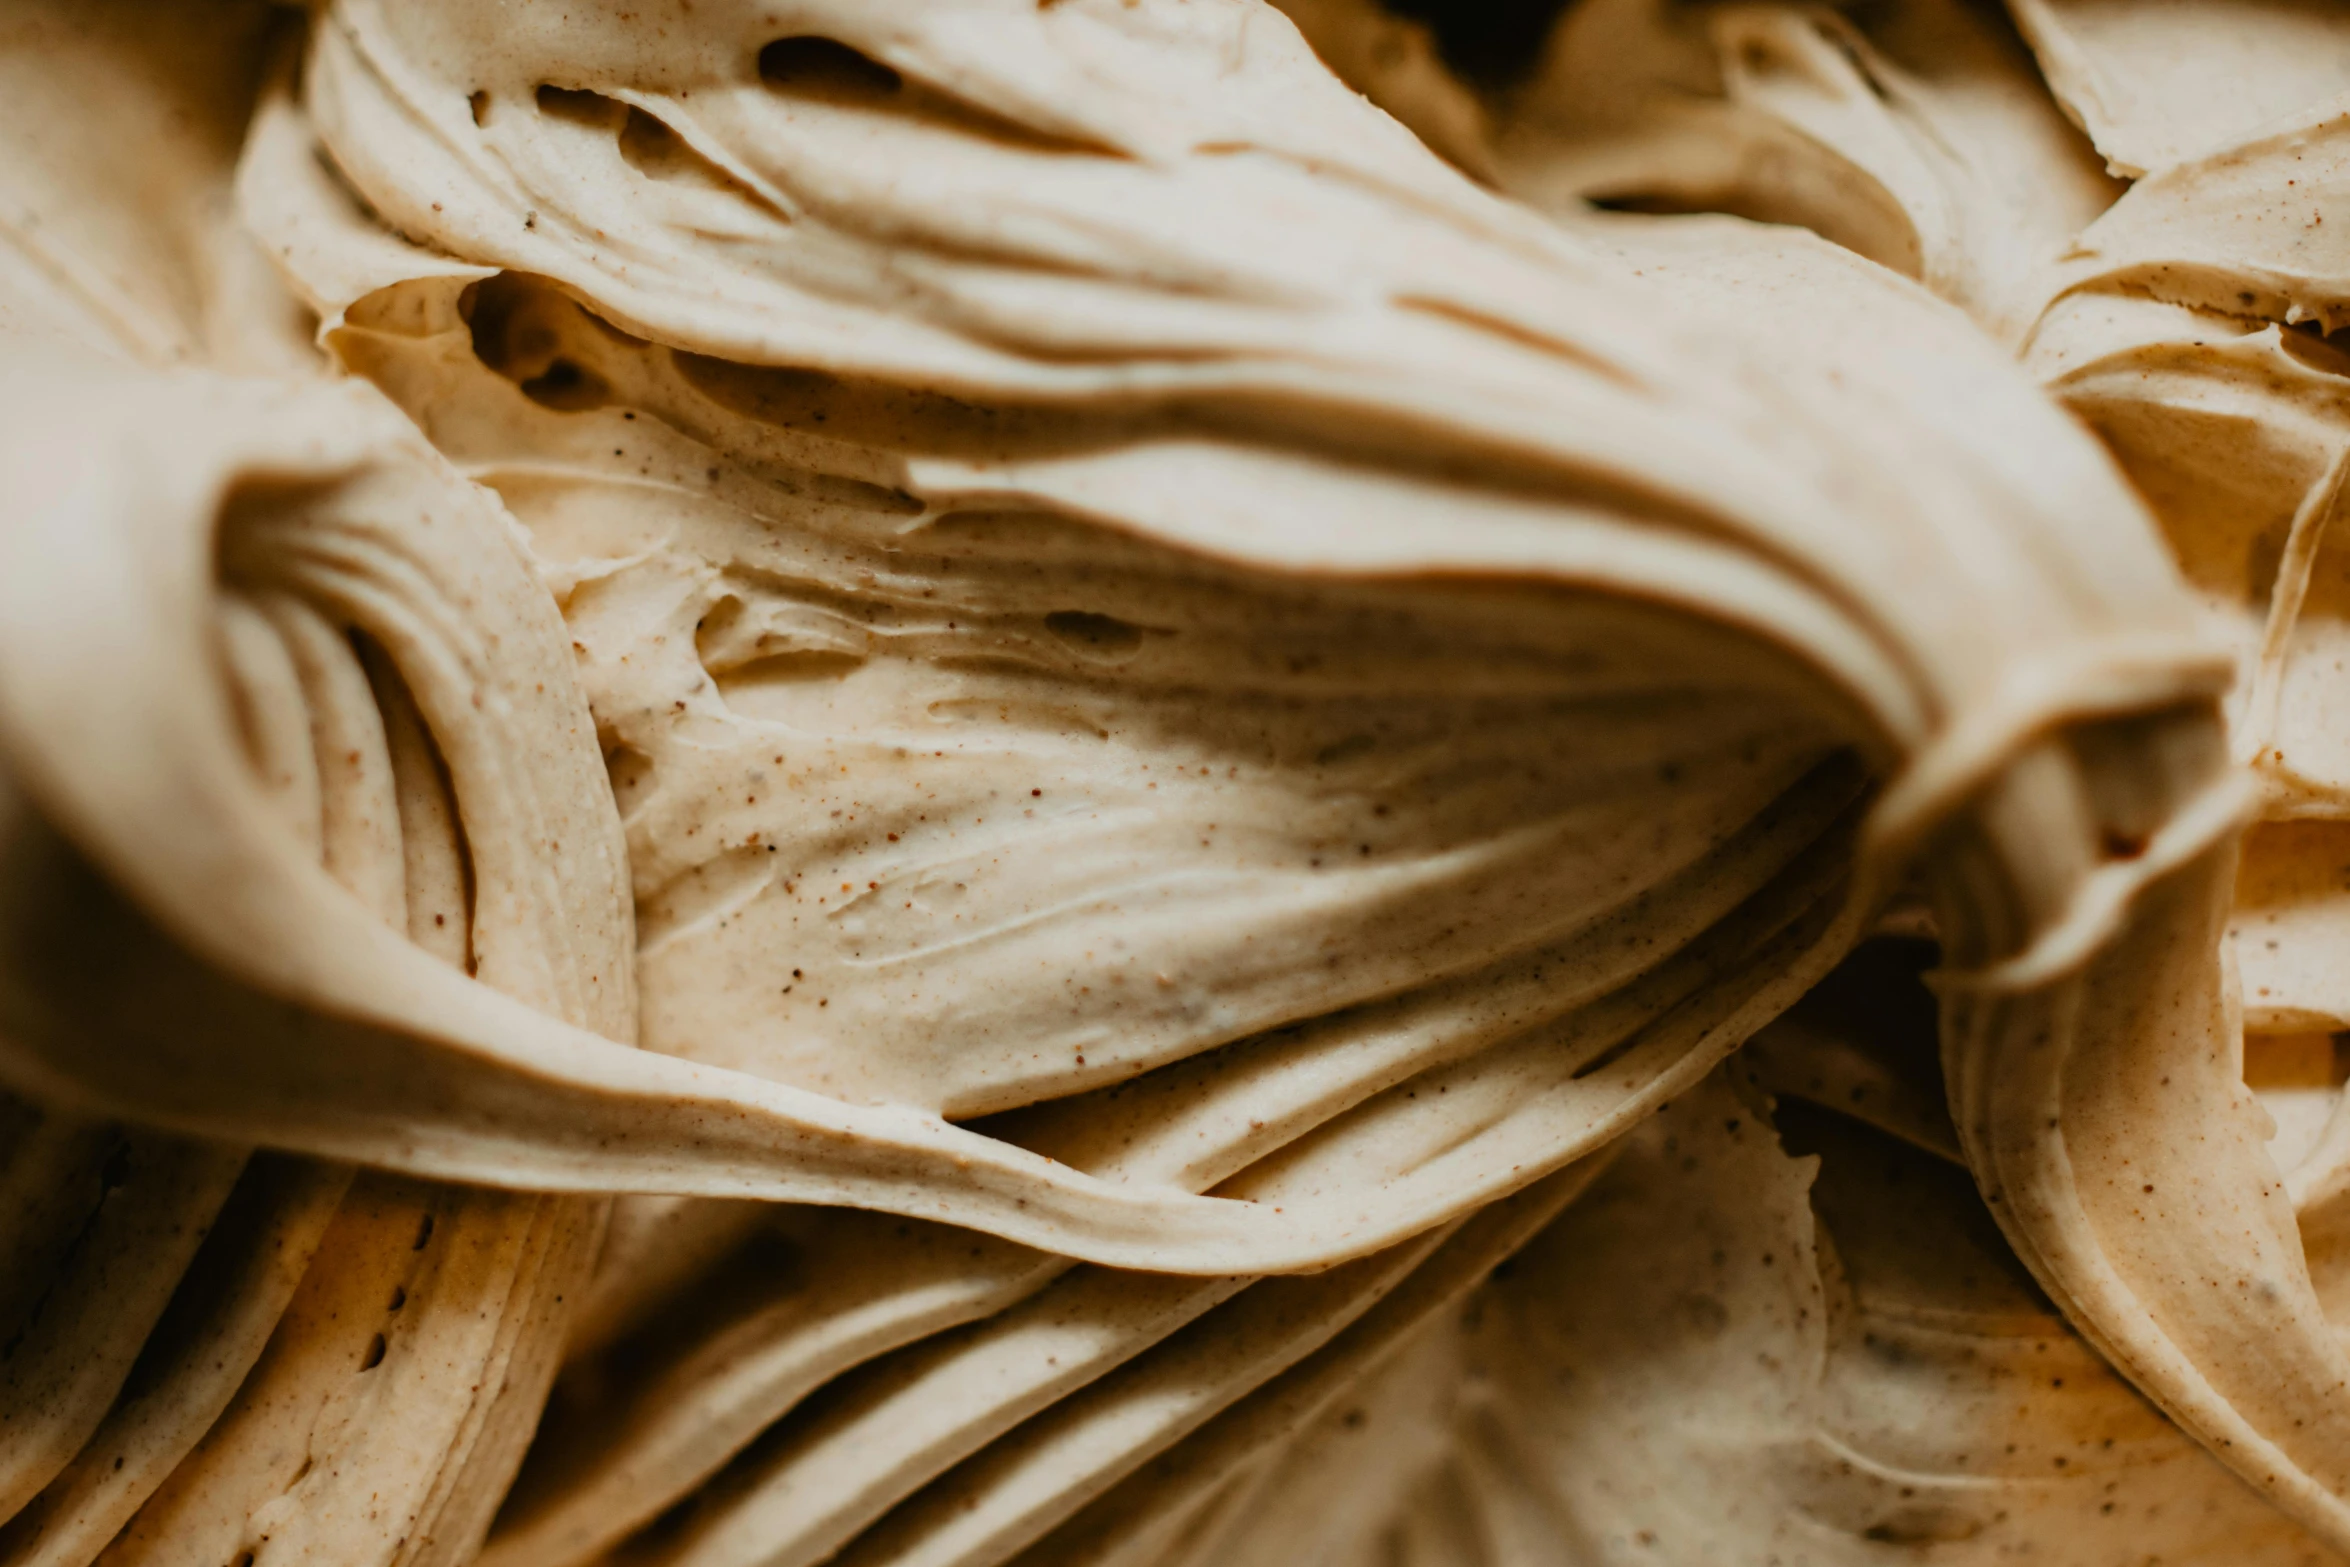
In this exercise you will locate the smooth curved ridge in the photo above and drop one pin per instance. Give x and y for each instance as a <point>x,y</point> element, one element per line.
<point>883,781</point>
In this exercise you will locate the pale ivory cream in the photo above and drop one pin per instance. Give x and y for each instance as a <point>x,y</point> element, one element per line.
<point>1249,666</point>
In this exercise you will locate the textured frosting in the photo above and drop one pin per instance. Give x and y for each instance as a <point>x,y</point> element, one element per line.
<point>1112,402</point>
<point>2179,325</point>
<point>1917,135</point>
<point>1135,687</point>
<point>1725,1353</point>
<point>256,630</point>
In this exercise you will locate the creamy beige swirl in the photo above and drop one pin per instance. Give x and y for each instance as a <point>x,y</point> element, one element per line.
<point>1775,1329</point>
<point>760,164</point>
<point>315,649</point>
<point>1095,647</point>
<point>2166,323</point>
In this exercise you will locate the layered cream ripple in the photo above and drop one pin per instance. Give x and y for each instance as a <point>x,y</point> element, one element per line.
<point>937,783</point>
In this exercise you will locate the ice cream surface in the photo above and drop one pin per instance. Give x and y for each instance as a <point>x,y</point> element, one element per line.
<point>884,780</point>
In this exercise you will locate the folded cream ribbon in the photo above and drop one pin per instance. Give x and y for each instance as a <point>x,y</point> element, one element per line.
<point>1254,327</point>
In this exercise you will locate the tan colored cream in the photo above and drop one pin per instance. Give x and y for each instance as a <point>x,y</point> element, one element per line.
<point>1170,722</point>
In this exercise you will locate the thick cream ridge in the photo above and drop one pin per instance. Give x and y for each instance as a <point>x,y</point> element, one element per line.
<point>1301,698</point>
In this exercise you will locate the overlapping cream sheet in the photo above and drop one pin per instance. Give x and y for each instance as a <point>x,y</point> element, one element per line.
<point>2184,323</point>
<point>1176,685</point>
<point>1779,1327</point>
